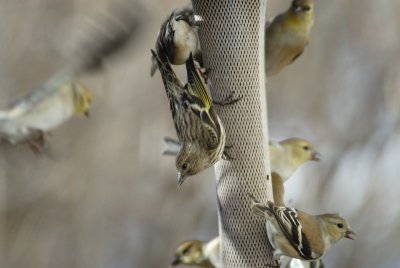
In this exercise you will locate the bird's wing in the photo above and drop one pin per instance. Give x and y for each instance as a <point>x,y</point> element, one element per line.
<point>202,104</point>
<point>292,229</point>
<point>165,39</point>
<point>197,87</point>
<point>173,87</point>
<point>297,55</point>
<point>25,104</point>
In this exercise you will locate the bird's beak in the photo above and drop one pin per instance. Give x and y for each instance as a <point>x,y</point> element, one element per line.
<point>87,114</point>
<point>181,179</point>
<point>316,156</point>
<point>350,235</point>
<point>175,260</point>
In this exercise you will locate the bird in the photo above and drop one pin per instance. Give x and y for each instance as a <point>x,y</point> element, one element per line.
<point>199,253</point>
<point>288,155</point>
<point>198,127</point>
<point>178,37</point>
<point>297,234</point>
<point>287,34</point>
<point>285,156</point>
<point>36,113</point>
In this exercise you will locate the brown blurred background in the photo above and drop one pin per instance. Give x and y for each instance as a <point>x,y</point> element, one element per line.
<point>103,196</point>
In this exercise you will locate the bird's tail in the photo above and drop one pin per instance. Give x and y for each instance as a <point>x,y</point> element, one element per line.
<point>173,146</point>
<point>3,115</point>
<point>154,67</point>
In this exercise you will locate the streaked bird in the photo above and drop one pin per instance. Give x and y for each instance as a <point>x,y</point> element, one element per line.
<point>27,120</point>
<point>300,235</point>
<point>287,35</point>
<point>285,156</point>
<point>199,253</point>
<point>178,38</point>
<point>198,127</point>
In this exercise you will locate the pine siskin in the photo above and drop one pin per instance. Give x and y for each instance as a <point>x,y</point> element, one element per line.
<point>178,37</point>
<point>198,127</point>
<point>287,34</point>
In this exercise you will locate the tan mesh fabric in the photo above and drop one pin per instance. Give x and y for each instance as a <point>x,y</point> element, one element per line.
<point>232,41</point>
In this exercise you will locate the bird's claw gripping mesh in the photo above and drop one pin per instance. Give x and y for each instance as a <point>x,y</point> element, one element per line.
<point>232,41</point>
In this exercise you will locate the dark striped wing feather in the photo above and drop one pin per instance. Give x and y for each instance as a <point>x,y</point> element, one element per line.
<point>291,227</point>
<point>165,40</point>
<point>202,104</point>
<point>172,84</point>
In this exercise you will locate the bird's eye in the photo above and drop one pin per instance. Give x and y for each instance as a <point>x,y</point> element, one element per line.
<point>340,225</point>
<point>185,251</point>
<point>306,148</point>
<point>306,8</point>
<point>184,166</point>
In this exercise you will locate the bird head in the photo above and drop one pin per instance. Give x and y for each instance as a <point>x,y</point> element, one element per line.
<point>190,161</point>
<point>189,253</point>
<point>82,99</point>
<point>336,227</point>
<point>302,6</point>
<point>301,150</point>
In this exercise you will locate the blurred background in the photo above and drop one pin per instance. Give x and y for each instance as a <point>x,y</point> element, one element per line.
<point>104,196</point>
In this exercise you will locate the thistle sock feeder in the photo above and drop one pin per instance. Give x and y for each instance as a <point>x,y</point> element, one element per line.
<point>232,41</point>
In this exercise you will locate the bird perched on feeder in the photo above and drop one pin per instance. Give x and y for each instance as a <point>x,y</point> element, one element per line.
<point>198,127</point>
<point>178,37</point>
<point>285,156</point>
<point>300,235</point>
<point>287,35</point>
<point>199,253</point>
<point>36,113</point>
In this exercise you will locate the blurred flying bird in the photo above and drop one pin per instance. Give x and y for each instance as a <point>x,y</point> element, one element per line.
<point>26,121</point>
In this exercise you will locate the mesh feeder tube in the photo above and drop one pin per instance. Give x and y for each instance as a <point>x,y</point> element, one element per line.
<point>232,41</point>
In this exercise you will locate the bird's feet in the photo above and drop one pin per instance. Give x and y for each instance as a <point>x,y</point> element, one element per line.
<point>36,144</point>
<point>275,264</point>
<point>204,74</point>
<point>228,100</point>
<point>226,156</point>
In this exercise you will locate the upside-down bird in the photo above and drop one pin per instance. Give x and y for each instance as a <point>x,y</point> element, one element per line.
<point>197,125</point>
